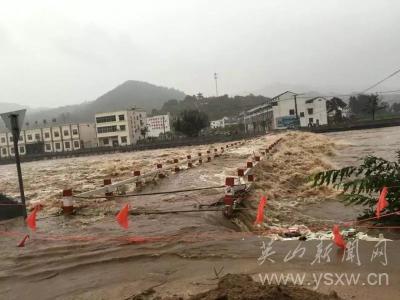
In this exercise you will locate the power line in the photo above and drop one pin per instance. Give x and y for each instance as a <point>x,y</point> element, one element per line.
<point>389,92</point>
<point>367,89</point>
<point>380,81</point>
<point>303,96</point>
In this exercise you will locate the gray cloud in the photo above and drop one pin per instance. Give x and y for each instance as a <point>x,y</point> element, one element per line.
<point>61,52</point>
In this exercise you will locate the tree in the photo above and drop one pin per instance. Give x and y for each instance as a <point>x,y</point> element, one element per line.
<point>366,104</point>
<point>190,122</point>
<point>361,185</point>
<point>374,105</point>
<point>395,107</point>
<point>200,96</point>
<point>336,106</point>
<point>144,131</point>
<point>215,107</point>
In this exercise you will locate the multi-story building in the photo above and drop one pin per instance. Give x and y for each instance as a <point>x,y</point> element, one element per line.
<point>49,138</point>
<point>120,128</point>
<point>7,144</point>
<point>289,107</point>
<point>259,118</point>
<point>286,110</point>
<point>157,125</point>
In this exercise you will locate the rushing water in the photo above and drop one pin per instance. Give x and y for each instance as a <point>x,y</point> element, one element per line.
<point>356,144</point>
<point>79,260</point>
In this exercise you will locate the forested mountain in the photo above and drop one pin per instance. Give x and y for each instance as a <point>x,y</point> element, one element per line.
<point>153,98</point>
<point>127,95</point>
<point>214,107</point>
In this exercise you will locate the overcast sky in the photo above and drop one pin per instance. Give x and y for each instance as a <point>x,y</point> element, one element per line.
<point>63,52</point>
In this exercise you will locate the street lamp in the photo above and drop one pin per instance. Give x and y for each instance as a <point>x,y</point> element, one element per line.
<point>14,121</point>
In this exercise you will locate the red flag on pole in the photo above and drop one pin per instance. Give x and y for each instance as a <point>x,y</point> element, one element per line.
<point>260,210</point>
<point>337,237</point>
<point>122,217</point>
<point>31,219</point>
<point>22,242</point>
<point>382,202</point>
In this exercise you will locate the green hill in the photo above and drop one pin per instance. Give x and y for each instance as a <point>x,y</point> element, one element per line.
<point>127,95</point>
<point>214,107</point>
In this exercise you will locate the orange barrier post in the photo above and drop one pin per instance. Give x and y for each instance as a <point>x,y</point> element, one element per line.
<point>108,193</point>
<point>67,203</point>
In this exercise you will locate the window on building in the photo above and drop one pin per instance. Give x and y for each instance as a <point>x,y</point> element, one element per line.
<point>37,136</point>
<point>123,139</point>
<point>12,150</point>
<point>67,145</point>
<point>75,131</point>
<point>106,129</point>
<point>56,134</point>
<point>106,119</point>
<point>311,120</point>
<point>122,127</point>
<point>291,112</point>
<point>310,111</point>
<point>66,133</point>
<point>302,114</point>
<point>48,147</point>
<point>121,117</point>
<point>46,135</point>
<point>4,151</point>
<point>76,144</point>
<point>105,141</point>
<point>3,140</point>
<point>21,149</point>
<point>29,137</point>
<point>58,146</point>
<point>20,138</point>
<point>11,138</point>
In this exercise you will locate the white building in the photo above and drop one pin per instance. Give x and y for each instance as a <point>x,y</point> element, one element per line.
<point>288,107</point>
<point>49,138</point>
<point>283,111</point>
<point>120,128</point>
<point>224,122</point>
<point>157,125</point>
<point>218,123</point>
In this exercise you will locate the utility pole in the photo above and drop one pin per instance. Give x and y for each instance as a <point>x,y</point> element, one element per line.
<point>216,83</point>
<point>295,109</point>
<point>163,123</point>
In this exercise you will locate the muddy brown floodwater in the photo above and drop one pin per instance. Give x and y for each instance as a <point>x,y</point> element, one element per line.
<point>88,256</point>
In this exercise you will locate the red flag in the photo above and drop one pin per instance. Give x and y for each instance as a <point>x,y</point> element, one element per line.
<point>22,242</point>
<point>31,219</point>
<point>337,237</point>
<point>382,202</point>
<point>122,217</point>
<point>260,210</point>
